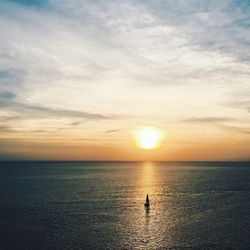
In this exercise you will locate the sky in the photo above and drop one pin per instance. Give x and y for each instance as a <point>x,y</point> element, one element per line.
<point>78,77</point>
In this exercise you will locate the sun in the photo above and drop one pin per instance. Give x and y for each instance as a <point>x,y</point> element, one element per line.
<point>148,138</point>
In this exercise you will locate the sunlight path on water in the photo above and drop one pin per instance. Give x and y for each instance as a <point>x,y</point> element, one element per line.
<point>145,225</point>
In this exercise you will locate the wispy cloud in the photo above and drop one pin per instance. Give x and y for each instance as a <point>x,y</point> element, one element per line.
<point>6,95</point>
<point>9,118</point>
<point>225,123</point>
<point>38,111</point>
<point>6,129</point>
<point>30,3</point>
<point>237,129</point>
<point>112,131</point>
<point>208,119</point>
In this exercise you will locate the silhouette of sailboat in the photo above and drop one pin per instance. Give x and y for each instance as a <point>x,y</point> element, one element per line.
<point>147,202</point>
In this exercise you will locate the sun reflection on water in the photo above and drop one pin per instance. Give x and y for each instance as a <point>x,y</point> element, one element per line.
<point>146,227</point>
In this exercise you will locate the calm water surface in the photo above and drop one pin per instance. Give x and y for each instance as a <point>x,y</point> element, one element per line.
<point>100,205</point>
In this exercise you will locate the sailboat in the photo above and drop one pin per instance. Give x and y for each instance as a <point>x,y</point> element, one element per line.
<point>147,202</point>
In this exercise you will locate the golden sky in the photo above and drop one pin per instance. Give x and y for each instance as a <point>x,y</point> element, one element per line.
<point>78,78</point>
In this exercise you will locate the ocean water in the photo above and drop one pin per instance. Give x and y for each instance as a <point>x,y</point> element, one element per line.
<point>100,205</point>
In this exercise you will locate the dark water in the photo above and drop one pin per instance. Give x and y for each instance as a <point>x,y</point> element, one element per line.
<point>91,205</point>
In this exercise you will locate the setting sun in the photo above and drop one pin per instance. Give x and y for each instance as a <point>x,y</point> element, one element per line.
<point>148,138</point>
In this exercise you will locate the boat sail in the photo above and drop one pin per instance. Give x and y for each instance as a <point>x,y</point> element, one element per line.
<point>147,202</point>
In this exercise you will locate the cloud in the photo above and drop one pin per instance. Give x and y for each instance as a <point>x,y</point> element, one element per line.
<point>9,118</point>
<point>239,99</point>
<point>38,111</point>
<point>6,95</point>
<point>236,129</point>
<point>219,122</point>
<point>138,41</point>
<point>61,112</point>
<point>208,119</point>
<point>112,131</point>
<point>31,3</point>
<point>9,77</point>
<point>6,101</point>
<point>6,129</point>
<point>90,44</point>
<point>210,24</point>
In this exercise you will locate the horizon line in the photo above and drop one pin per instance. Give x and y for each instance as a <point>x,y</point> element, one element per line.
<point>146,161</point>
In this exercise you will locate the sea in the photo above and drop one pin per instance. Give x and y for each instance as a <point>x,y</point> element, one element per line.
<point>100,205</point>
